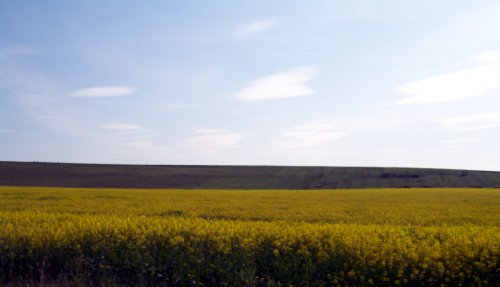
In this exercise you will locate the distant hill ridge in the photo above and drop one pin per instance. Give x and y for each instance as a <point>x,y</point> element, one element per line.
<point>236,177</point>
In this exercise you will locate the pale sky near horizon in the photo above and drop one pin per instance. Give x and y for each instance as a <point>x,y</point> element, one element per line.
<point>330,83</point>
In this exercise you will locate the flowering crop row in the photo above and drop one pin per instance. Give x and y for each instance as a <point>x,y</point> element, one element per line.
<point>182,250</point>
<point>421,207</point>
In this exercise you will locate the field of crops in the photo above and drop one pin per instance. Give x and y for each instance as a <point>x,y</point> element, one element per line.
<point>371,237</point>
<point>235,177</point>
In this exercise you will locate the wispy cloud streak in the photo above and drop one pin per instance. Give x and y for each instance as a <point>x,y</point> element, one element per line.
<point>279,86</point>
<point>471,122</point>
<point>19,49</point>
<point>458,141</point>
<point>253,27</point>
<point>39,98</point>
<point>206,143</point>
<point>306,137</point>
<point>99,92</point>
<point>121,127</point>
<point>462,84</point>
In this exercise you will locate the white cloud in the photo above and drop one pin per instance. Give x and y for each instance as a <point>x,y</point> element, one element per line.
<point>214,138</point>
<point>120,151</point>
<point>19,49</point>
<point>209,131</point>
<point>127,138</point>
<point>128,132</point>
<point>486,165</point>
<point>121,127</point>
<point>209,143</point>
<point>7,131</point>
<point>488,57</point>
<point>148,145</point>
<point>98,92</point>
<point>458,141</point>
<point>307,136</point>
<point>38,95</point>
<point>471,122</point>
<point>302,139</point>
<point>253,27</point>
<point>286,85</point>
<point>318,125</point>
<point>462,84</point>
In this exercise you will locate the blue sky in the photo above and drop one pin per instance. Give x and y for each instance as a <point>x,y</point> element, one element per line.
<point>333,83</point>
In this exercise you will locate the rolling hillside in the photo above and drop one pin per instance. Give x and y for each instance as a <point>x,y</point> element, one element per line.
<point>235,177</point>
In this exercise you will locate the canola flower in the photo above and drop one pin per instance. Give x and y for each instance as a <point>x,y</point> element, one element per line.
<point>421,207</point>
<point>200,246</point>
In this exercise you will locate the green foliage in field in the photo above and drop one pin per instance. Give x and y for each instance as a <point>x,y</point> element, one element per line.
<point>383,237</point>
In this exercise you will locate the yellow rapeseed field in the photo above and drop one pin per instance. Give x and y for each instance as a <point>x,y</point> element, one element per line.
<point>377,237</point>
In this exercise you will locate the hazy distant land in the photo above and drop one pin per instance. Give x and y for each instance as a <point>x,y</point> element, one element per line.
<point>235,177</point>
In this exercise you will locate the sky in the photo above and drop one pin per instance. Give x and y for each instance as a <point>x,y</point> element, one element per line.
<point>305,83</point>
